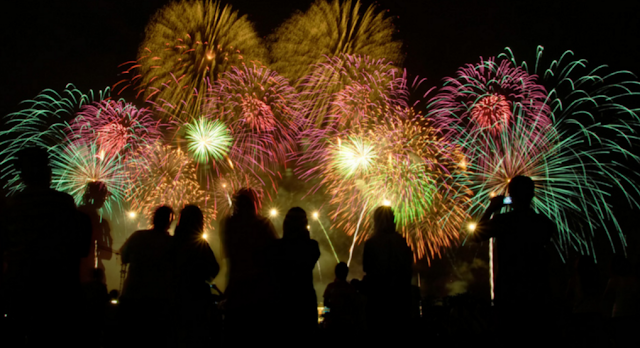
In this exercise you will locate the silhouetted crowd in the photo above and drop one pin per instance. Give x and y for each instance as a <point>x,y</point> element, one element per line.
<point>54,292</point>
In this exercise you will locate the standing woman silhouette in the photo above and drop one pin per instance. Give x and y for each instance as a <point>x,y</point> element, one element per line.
<point>196,265</point>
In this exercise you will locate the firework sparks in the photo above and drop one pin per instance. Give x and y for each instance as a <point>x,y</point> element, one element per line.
<point>42,122</point>
<point>572,163</point>
<point>116,127</point>
<point>75,165</point>
<point>164,175</point>
<point>331,29</point>
<point>188,45</point>
<point>263,114</point>
<point>208,139</point>
<point>483,96</point>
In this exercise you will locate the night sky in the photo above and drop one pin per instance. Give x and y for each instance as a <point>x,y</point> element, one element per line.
<point>47,44</point>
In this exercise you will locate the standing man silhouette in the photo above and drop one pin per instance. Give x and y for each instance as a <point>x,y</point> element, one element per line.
<point>521,281</point>
<point>45,240</point>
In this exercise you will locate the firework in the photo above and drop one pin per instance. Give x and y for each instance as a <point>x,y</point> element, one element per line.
<point>116,127</point>
<point>411,169</point>
<point>188,44</point>
<point>263,114</point>
<point>483,98</point>
<point>164,175</point>
<point>349,91</point>
<point>331,29</point>
<point>574,162</point>
<point>208,139</point>
<point>75,164</point>
<point>41,122</point>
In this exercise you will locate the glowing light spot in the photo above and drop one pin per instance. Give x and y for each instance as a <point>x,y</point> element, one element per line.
<point>492,194</point>
<point>472,226</point>
<point>132,214</point>
<point>315,215</point>
<point>273,212</point>
<point>386,203</point>
<point>114,301</point>
<point>204,236</point>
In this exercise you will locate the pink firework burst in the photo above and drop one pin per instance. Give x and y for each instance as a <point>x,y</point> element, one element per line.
<point>263,113</point>
<point>349,90</point>
<point>492,112</point>
<point>485,97</point>
<point>116,127</point>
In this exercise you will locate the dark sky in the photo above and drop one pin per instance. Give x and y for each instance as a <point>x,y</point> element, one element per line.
<point>46,44</point>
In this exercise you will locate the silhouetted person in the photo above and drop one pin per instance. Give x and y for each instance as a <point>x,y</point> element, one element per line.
<point>101,240</point>
<point>521,276</point>
<point>387,262</point>
<point>148,291</point>
<point>623,291</point>
<point>340,297</point>
<point>246,238</point>
<point>44,244</point>
<point>196,266</point>
<point>96,299</point>
<point>294,257</point>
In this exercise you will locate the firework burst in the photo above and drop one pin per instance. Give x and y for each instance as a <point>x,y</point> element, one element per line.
<point>163,175</point>
<point>263,114</point>
<point>188,45</point>
<point>208,139</point>
<point>349,91</point>
<point>75,165</point>
<point>410,168</point>
<point>331,29</point>
<point>41,122</point>
<point>483,98</point>
<point>116,127</point>
<point>575,162</point>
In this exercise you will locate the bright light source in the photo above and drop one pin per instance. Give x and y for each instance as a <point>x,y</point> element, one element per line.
<point>114,301</point>
<point>132,214</point>
<point>273,212</point>
<point>204,235</point>
<point>492,194</point>
<point>308,227</point>
<point>386,203</point>
<point>472,226</point>
<point>315,215</point>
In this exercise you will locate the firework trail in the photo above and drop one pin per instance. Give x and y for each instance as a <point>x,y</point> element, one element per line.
<point>116,127</point>
<point>330,29</point>
<point>41,122</point>
<point>187,46</point>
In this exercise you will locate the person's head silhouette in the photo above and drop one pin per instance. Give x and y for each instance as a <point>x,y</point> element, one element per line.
<point>191,222</point>
<point>33,165</point>
<point>521,190</point>
<point>245,202</point>
<point>295,224</point>
<point>95,194</point>
<point>342,270</point>
<point>383,220</point>
<point>162,218</point>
